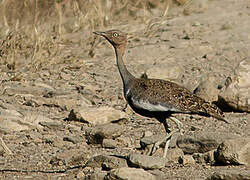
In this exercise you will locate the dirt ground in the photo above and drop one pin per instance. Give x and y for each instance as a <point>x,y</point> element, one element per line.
<point>211,40</point>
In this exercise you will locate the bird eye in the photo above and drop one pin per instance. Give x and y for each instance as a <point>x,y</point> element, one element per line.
<point>115,34</point>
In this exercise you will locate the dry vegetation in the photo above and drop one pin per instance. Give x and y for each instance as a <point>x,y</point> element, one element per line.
<point>34,32</point>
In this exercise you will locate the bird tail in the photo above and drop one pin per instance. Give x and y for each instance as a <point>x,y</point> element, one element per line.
<point>213,111</point>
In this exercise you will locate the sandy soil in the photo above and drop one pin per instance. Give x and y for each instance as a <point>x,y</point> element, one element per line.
<point>209,41</point>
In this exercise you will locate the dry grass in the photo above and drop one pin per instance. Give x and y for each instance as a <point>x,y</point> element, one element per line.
<point>32,30</point>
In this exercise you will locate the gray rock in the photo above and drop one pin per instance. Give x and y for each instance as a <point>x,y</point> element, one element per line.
<point>23,90</point>
<point>10,113</point>
<point>174,154</point>
<point>146,162</point>
<point>207,89</point>
<point>80,175</point>
<point>76,158</point>
<point>158,174</point>
<point>202,142</point>
<point>148,140</point>
<point>12,120</point>
<point>107,162</point>
<point>237,93</point>
<point>56,125</point>
<point>124,141</point>
<point>109,143</point>
<point>230,174</point>
<point>127,173</point>
<point>43,85</point>
<point>66,101</point>
<point>208,157</point>
<point>234,151</point>
<point>96,176</point>
<point>70,157</point>
<point>72,139</point>
<point>186,160</point>
<point>106,131</point>
<point>97,116</point>
<point>147,134</point>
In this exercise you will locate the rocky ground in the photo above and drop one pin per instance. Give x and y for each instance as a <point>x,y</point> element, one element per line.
<point>69,119</point>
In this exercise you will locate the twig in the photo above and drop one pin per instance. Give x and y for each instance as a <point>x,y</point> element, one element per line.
<point>43,171</point>
<point>5,147</point>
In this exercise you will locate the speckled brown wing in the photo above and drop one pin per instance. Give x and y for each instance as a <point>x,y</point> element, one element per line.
<point>157,94</point>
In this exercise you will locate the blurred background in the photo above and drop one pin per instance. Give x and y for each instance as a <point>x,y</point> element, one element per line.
<point>34,32</point>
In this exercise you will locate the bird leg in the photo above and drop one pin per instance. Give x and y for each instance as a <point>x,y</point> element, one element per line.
<point>168,137</point>
<point>158,143</point>
<point>179,123</point>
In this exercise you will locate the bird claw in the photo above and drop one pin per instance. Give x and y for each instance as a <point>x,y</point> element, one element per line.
<point>158,143</point>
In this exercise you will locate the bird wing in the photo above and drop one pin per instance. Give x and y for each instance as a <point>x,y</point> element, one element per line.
<point>152,95</point>
<point>160,95</point>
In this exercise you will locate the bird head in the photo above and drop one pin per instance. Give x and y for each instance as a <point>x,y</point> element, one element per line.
<point>115,37</point>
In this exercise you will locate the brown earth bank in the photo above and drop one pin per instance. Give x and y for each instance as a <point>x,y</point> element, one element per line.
<point>62,111</point>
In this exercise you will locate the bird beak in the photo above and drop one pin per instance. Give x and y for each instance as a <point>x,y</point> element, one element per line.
<point>99,33</point>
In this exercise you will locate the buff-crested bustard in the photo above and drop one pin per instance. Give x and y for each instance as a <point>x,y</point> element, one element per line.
<point>156,97</point>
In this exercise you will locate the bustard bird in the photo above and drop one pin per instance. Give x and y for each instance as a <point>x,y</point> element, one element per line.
<point>156,97</point>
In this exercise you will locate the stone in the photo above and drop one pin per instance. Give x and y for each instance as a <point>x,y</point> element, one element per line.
<point>109,143</point>
<point>146,162</point>
<point>76,158</point>
<point>230,174</point>
<point>96,176</point>
<point>202,142</point>
<point>148,140</point>
<point>65,101</point>
<point>158,174</point>
<point>124,141</point>
<point>186,160</point>
<point>127,173</point>
<point>56,125</point>
<point>205,158</point>
<point>6,112</point>
<point>70,157</point>
<point>80,175</point>
<point>106,131</point>
<point>55,161</point>
<point>147,134</point>
<point>236,95</point>
<point>174,154</point>
<point>107,162</point>
<point>96,116</point>
<point>43,85</point>
<point>23,90</point>
<point>207,88</point>
<point>234,151</point>
<point>72,139</point>
<point>12,120</point>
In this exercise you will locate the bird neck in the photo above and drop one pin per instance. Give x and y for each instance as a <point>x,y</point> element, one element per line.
<point>125,74</point>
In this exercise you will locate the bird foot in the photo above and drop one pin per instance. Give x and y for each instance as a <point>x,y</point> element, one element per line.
<point>158,143</point>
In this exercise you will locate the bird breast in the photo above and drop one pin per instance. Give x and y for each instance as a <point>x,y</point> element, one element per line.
<point>147,105</point>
